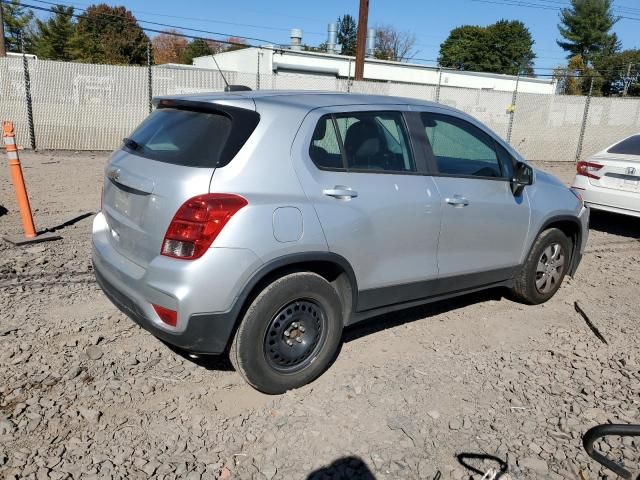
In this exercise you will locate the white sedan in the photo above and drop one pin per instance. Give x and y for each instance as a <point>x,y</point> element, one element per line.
<point>610,180</point>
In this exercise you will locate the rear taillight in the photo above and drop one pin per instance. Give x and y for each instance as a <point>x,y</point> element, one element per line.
<point>170,317</point>
<point>587,168</point>
<point>198,222</point>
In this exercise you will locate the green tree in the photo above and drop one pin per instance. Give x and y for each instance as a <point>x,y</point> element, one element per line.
<point>52,39</point>
<point>585,27</point>
<point>196,48</point>
<point>571,79</point>
<point>109,35</point>
<point>505,47</point>
<point>17,19</point>
<point>620,71</point>
<point>347,34</point>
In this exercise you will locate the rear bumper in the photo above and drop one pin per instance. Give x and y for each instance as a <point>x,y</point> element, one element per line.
<point>608,199</point>
<point>205,333</point>
<point>204,292</point>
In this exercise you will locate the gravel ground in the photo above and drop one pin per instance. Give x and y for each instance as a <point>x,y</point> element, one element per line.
<point>478,380</point>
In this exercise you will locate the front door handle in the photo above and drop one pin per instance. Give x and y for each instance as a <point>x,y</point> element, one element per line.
<point>340,192</point>
<point>457,201</point>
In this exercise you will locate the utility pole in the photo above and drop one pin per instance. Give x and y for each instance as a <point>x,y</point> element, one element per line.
<point>627,81</point>
<point>362,38</point>
<point>3,51</point>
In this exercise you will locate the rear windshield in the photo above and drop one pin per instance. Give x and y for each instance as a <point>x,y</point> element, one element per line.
<point>629,146</point>
<point>183,137</point>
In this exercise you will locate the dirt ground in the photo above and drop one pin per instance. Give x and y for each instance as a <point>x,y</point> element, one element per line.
<point>456,387</point>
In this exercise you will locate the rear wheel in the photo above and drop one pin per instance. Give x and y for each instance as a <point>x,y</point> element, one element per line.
<point>545,268</point>
<point>290,333</point>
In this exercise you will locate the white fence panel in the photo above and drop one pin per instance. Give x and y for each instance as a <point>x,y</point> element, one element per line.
<point>92,107</point>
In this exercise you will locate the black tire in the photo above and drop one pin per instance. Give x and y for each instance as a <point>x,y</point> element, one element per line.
<point>540,268</point>
<point>302,309</point>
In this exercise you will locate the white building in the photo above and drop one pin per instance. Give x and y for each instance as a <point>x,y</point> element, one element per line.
<point>293,62</point>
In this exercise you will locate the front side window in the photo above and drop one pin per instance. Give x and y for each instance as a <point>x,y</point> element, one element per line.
<point>460,148</point>
<point>364,141</point>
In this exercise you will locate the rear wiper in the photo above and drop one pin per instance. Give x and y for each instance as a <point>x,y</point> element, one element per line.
<point>132,144</point>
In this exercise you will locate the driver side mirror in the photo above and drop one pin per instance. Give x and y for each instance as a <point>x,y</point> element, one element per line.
<point>522,176</point>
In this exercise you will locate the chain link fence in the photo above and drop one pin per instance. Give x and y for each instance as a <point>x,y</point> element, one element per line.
<point>92,107</point>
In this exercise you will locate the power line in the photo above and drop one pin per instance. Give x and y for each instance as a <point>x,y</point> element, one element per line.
<point>206,20</point>
<point>146,21</point>
<point>533,4</point>
<point>226,42</point>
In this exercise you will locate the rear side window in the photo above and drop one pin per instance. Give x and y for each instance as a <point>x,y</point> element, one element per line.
<point>325,149</point>
<point>192,137</point>
<point>628,146</point>
<point>364,141</point>
<point>460,148</point>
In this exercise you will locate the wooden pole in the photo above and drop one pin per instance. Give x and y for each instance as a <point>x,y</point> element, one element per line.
<point>362,38</point>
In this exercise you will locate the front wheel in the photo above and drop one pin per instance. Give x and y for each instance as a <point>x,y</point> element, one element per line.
<point>289,334</point>
<point>545,267</point>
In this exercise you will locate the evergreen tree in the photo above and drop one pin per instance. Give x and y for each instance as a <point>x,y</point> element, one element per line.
<point>17,20</point>
<point>347,34</point>
<point>52,39</point>
<point>585,28</point>
<point>620,71</point>
<point>109,35</point>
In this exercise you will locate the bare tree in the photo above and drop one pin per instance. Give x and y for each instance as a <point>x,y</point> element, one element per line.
<point>392,44</point>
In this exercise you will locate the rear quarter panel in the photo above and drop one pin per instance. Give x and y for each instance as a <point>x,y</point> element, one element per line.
<point>263,173</point>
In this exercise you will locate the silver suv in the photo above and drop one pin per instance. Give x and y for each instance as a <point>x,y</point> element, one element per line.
<point>260,224</point>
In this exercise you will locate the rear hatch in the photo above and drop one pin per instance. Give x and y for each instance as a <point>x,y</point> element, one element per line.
<point>167,160</point>
<point>620,166</point>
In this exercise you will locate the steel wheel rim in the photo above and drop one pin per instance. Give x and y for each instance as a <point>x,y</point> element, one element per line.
<point>549,268</point>
<point>294,335</point>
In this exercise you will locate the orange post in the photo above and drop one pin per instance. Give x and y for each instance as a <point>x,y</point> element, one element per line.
<point>9,138</point>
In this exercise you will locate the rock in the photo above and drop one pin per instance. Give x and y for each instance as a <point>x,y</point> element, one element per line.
<point>94,352</point>
<point>42,474</point>
<point>91,415</point>
<point>455,424</point>
<point>269,471</point>
<point>434,414</point>
<point>73,372</point>
<point>151,467</point>
<point>535,464</point>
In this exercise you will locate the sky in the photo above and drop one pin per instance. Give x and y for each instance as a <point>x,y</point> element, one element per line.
<point>429,20</point>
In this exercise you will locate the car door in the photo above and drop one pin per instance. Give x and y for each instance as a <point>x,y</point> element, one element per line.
<point>484,225</point>
<point>376,210</point>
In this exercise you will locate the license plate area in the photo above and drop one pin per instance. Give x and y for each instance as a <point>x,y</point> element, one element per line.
<point>622,181</point>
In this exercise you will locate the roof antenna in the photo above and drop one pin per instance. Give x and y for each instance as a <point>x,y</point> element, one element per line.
<point>229,88</point>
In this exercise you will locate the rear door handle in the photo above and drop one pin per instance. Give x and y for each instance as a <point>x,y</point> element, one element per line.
<point>340,192</point>
<point>457,201</point>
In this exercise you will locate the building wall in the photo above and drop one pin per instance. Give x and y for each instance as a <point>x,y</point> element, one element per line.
<point>314,63</point>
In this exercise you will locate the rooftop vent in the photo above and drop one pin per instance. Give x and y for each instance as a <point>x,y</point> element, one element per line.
<point>296,39</point>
